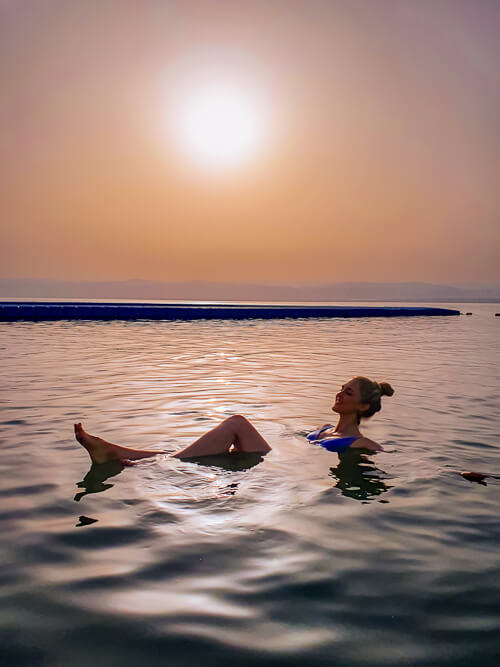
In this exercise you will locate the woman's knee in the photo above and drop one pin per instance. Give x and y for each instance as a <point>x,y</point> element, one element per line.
<point>237,421</point>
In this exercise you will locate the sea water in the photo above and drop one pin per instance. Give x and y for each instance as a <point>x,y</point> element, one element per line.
<point>298,558</point>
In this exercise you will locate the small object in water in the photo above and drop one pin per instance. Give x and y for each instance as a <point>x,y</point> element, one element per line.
<point>86,521</point>
<point>475,476</point>
<point>497,314</point>
<point>468,313</point>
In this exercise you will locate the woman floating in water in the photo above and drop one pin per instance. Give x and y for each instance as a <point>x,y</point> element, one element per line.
<point>358,399</point>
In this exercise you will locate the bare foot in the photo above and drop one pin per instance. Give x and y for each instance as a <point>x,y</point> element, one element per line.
<point>99,450</point>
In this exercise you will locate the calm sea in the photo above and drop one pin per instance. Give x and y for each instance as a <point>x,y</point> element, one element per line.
<point>300,559</point>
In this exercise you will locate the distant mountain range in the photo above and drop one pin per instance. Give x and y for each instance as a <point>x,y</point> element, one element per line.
<point>210,291</point>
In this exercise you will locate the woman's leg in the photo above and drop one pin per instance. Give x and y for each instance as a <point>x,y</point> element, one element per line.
<point>101,451</point>
<point>235,430</point>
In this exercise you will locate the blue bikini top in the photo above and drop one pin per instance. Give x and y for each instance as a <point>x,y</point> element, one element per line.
<point>332,444</point>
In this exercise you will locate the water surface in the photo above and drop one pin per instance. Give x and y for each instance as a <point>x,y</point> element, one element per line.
<point>300,558</point>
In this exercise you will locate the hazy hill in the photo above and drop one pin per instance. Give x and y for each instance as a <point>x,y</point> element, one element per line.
<point>207,291</point>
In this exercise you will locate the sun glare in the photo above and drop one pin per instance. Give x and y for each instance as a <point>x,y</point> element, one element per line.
<point>219,126</point>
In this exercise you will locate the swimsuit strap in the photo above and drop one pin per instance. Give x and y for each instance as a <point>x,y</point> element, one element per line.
<point>315,435</point>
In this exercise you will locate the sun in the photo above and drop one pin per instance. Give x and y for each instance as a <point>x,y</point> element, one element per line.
<point>218,125</point>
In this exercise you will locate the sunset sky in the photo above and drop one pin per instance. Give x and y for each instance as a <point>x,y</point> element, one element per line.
<point>250,141</point>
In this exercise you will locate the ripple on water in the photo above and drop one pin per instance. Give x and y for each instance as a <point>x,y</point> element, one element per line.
<point>102,537</point>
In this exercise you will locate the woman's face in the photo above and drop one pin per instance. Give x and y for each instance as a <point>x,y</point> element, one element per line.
<point>348,399</point>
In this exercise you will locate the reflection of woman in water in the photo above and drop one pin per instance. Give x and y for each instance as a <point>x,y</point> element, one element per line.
<point>358,399</point>
<point>357,477</point>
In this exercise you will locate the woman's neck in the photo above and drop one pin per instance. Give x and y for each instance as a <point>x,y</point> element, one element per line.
<point>348,425</point>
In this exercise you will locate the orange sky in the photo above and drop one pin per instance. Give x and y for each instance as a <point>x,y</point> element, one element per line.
<point>381,161</point>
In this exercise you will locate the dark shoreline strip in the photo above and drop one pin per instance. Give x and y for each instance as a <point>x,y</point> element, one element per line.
<point>53,311</point>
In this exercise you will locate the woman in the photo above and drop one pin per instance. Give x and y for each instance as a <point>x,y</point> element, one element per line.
<point>358,399</point>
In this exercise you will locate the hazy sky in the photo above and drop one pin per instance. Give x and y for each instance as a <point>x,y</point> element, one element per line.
<point>378,157</point>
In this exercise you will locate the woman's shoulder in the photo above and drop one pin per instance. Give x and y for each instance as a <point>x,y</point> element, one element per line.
<point>366,443</point>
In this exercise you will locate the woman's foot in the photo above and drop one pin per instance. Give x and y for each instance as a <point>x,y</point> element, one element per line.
<point>99,450</point>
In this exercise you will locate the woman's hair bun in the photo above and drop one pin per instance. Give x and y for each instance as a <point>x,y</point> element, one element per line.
<point>385,389</point>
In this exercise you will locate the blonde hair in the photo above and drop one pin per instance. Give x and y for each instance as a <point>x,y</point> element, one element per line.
<point>371,393</point>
